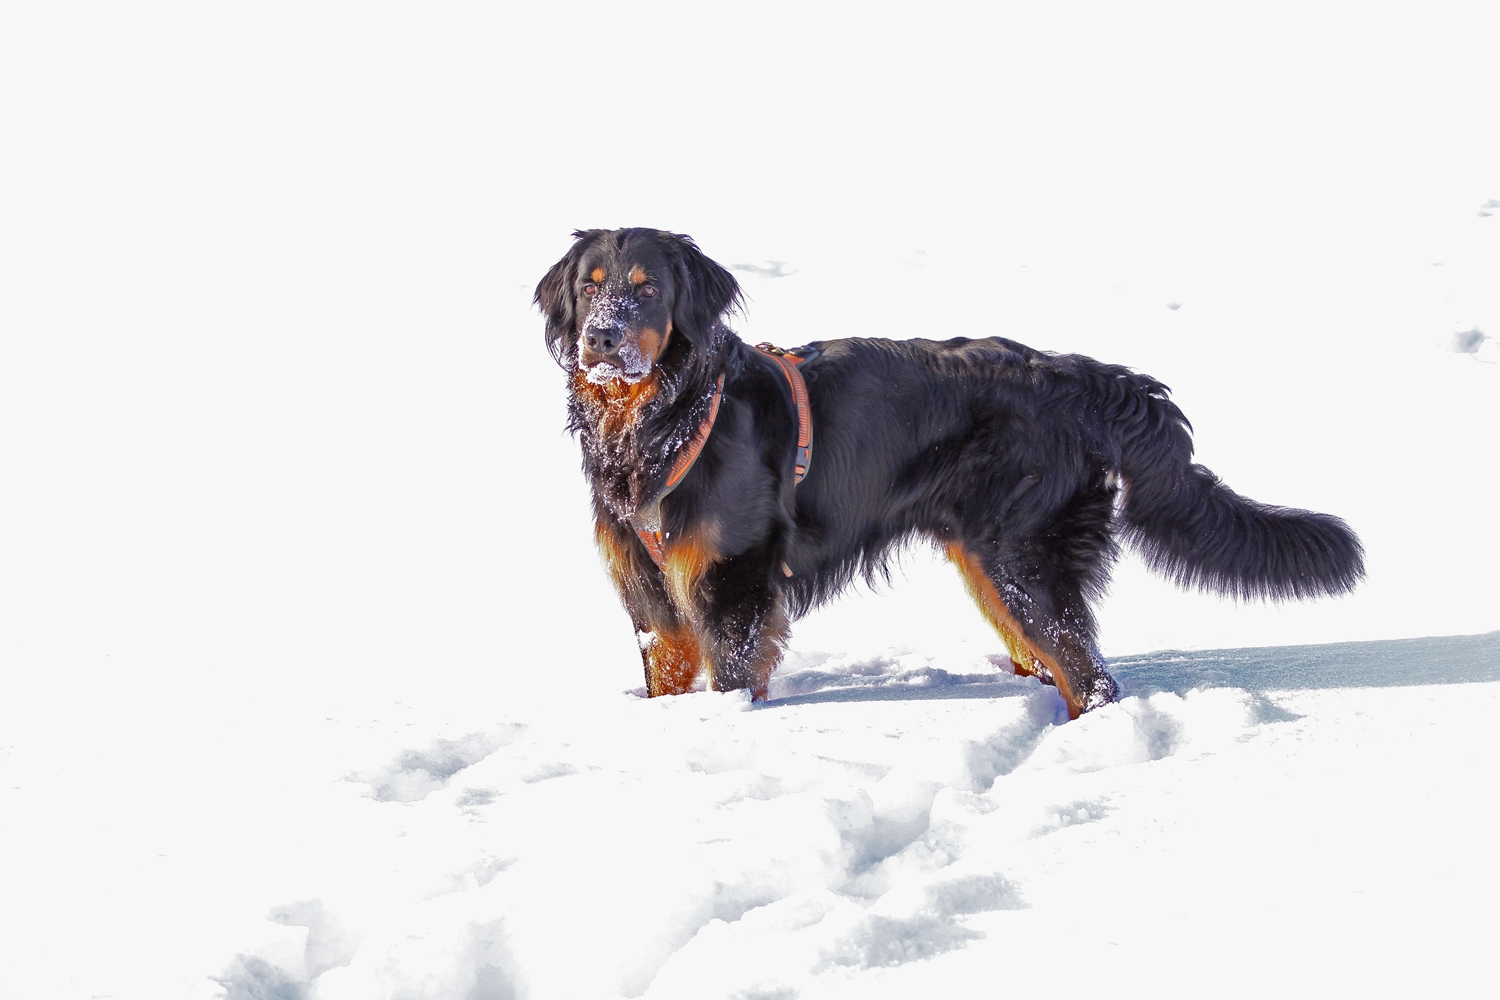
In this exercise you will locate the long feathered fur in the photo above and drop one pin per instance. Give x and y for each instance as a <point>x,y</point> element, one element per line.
<point>1200,534</point>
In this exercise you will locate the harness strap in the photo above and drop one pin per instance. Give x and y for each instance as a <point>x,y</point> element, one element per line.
<point>690,451</point>
<point>648,521</point>
<point>655,547</point>
<point>788,363</point>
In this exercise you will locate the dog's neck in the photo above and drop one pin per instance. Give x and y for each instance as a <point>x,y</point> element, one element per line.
<point>631,432</point>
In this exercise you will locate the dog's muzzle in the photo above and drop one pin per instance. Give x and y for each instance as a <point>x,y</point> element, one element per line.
<point>606,348</point>
<point>599,350</point>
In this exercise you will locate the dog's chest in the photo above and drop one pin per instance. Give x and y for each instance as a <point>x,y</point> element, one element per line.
<point>617,457</point>
<point>613,410</point>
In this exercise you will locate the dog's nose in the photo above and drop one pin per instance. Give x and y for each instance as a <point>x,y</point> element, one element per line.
<point>602,341</point>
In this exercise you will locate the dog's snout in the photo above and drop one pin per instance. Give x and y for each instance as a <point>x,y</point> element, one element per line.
<point>602,341</point>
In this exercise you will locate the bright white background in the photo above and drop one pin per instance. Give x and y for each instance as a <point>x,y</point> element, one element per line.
<point>273,388</point>
<point>276,426</point>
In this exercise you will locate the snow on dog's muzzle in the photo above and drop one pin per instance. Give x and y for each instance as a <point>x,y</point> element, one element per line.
<point>608,347</point>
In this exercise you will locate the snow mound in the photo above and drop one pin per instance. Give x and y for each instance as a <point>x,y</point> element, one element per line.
<point>414,774</point>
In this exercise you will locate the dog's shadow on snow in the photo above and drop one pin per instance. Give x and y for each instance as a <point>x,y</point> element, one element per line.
<point>820,678</point>
<point>1459,659</point>
<point>1452,659</point>
<point>1008,687</point>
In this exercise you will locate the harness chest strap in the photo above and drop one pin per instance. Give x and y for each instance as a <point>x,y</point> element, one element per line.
<point>648,521</point>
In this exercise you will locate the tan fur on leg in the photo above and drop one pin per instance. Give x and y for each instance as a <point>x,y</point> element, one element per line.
<point>688,558</point>
<point>673,660</point>
<point>1028,659</point>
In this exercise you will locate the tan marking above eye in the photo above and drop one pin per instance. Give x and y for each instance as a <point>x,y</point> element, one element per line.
<point>637,275</point>
<point>597,274</point>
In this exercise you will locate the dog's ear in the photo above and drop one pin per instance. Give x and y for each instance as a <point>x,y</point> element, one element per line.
<point>705,291</point>
<point>554,296</point>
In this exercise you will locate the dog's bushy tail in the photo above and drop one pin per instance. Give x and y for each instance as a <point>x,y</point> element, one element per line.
<point>1200,534</point>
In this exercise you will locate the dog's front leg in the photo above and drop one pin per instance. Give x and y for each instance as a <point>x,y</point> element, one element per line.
<point>670,651</point>
<point>672,658</point>
<point>743,623</point>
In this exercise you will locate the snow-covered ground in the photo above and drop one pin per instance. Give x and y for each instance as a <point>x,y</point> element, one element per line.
<point>887,823</point>
<point>905,823</point>
<point>310,684</point>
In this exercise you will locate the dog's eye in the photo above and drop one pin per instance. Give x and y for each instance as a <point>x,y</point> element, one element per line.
<point>590,289</point>
<point>647,291</point>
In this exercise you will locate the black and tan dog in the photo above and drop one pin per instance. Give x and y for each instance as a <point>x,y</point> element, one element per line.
<point>1025,467</point>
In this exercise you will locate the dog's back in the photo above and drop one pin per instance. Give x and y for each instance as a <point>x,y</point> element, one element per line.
<point>940,437</point>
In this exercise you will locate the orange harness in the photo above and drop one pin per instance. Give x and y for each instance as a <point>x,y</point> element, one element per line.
<point>789,362</point>
<point>648,520</point>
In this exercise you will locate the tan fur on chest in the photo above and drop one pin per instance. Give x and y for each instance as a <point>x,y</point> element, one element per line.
<point>687,560</point>
<point>613,551</point>
<point>616,405</point>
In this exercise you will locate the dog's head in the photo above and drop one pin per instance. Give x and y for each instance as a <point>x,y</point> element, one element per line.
<point>618,300</point>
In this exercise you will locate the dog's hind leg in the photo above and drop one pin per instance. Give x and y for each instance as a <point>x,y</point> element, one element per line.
<point>987,598</point>
<point>1048,634</point>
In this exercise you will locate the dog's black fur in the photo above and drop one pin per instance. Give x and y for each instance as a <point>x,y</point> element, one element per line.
<point>1027,466</point>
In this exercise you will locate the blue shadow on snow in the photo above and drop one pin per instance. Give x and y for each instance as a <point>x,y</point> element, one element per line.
<point>1448,659</point>
<point>1451,659</point>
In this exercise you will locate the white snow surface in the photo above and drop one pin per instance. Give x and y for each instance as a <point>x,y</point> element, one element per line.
<point>904,822</point>
<point>886,823</point>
